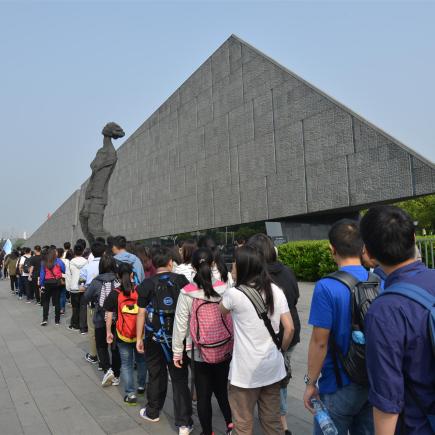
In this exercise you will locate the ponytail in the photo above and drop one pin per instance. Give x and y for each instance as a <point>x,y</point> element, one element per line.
<point>202,261</point>
<point>124,273</point>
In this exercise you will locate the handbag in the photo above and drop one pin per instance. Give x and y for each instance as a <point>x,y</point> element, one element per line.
<point>54,280</point>
<point>257,301</point>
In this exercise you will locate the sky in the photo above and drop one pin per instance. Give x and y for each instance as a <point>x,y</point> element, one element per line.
<point>67,68</point>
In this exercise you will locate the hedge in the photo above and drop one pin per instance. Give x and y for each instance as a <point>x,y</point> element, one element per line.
<point>309,259</point>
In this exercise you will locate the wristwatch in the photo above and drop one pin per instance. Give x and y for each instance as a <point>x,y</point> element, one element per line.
<point>309,381</point>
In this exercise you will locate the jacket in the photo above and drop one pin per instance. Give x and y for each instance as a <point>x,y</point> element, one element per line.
<point>126,257</point>
<point>186,270</point>
<point>75,265</point>
<point>94,294</point>
<point>11,265</point>
<point>44,270</point>
<point>183,312</point>
<point>285,279</point>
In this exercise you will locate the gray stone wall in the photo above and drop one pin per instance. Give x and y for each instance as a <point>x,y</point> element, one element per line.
<point>243,140</point>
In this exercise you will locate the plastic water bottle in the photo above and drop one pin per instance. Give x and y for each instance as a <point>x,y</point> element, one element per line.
<point>323,419</point>
<point>358,337</point>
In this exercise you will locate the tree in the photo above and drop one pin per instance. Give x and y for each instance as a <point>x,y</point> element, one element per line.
<point>422,210</point>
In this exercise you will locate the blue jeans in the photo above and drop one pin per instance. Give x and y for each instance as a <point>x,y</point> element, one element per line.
<point>128,355</point>
<point>350,410</point>
<point>62,298</point>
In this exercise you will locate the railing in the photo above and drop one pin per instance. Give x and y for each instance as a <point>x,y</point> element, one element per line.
<point>427,251</point>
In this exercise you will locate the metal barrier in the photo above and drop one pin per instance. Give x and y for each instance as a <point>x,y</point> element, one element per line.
<point>426,248</point>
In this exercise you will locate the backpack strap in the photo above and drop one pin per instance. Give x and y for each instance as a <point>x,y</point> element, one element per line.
<point>345,278</point>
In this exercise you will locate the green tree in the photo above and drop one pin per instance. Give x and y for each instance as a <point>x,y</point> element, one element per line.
<point>422,210</point>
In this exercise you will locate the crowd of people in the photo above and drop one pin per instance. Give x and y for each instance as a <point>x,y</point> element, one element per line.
<point>151,313</point>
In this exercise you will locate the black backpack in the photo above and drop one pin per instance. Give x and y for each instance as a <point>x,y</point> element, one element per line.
<point>26,265</point>
<point>362,294</point>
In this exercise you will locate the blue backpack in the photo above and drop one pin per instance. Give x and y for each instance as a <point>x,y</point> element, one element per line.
<point>426,300</point>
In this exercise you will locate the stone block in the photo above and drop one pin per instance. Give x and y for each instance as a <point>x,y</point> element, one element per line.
<point>289,147</point>
<point>205,209</point>
<point>216,136</point>
<point>253,202</point>
<point>367,137</point>
<point>186,213</point>
<point>199,81</point>
<point>424,177</point>
<point>235,50</point>
<point>177,182</point>
<point>241,124</point>
<point>205,107</point>
<point>326,134</point>
<point>263,115</point>
<point>227,93</point>
<point>226,202</point>
<point>191,147</point>
<point>187,115</point>
<point>220,63</point>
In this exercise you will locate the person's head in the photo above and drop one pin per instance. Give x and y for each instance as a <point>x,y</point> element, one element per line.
<point>110,242</point>
<point>251,271</point>
<point>101,240</point>
<point>107,264</point>
<point>162,257</point>
<point>52,246</point>
<point>143,253</point>
<point>37,249</point>
<point>82,243</point>
<point>208,242</point>
<point>50,258</point>
<point>126,277</point>
<point>188,248</point>
<point>345,241</point>
<point>367,261</point>
<point>119,244</point>
<point>27,251</point>
<point>67,246</point>
<point>264,246</point>
<point>78,250</point>
<point>86,253</point>
<point>388,233</point>
<point>69,255</point>
<point>60,252</point>
<point>240,241</point>
<point>202,262</point>
<point>97,249</point>
<point>45,248</point>
<point>14,255</point>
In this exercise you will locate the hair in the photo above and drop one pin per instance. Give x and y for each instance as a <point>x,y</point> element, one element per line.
<point>175,254</point>
<point>124,273</point>
<point>107,264</point>
<point>53,246</point>
<point>101,240</point>
<point>345,238</point>
<point>143,253</point>
<point>264,246</point>
<point>27,250</point>
<point>252,271</point>
<point>78,250</point>
<point>119,242</point>
<point>97,249</point>
<point>81,242</point>
<point>14,255</point>
<point>208,242</point>
<point>50,258</point>
<point>110,241</point>
<point>46,247</point>
<point>202,261</point>
<point>67,246</point>
<point>69,254</point>
<point>60,252</point>
<point>37,248</point>
<point>86,253</point>
<point>187,250</point>
<point>161,256</point>
<point>388,233</point>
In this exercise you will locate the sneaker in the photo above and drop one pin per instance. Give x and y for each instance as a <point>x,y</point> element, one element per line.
<point>83,332</point>
<point>100,369</point>
<point>140,391</point>
<point>230,428</point>
<point>71,328</point>
<point>108,378</point>
<point>44,323</point>
<point>287,432</point>
<point>143,414</point>
<point>185,430</point>
<point>91,358</point>
<point>130,399</point>
<point>20,298</point>
<point>115,382</point>
<point>28,302</point>
<point>57,324</point>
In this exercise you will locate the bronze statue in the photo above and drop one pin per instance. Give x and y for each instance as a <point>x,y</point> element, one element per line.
<point>92,213</point>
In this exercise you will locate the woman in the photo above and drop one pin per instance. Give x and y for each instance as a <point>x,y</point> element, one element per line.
<point>185,268</point>
<point>96,294</point>
<point>209,377</point>
<point>61,256</point>
<point>50,280</point>
<point>11,266</point>
<point>257,366</point>
<point>285,279</point>
<point>121,305</point>
<point>143,253</point>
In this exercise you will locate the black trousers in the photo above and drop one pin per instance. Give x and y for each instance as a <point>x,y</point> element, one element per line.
<point>211,379</point>
<point>75,305</point>
<point>83,314</point>
<point>32,289</point>
<point>103,352</point>
<point>158,385</point>
<point>51,293</point>
<point>14,282</point>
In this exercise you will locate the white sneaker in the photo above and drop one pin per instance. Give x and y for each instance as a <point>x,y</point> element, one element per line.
<point>115,381</point>
<point>185,430</point>
<point>143,414</point>
<point>108,378</point>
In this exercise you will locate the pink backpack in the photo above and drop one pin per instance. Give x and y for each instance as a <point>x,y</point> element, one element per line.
<point>211,331</point>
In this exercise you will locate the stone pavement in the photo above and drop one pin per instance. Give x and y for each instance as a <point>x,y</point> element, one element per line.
<point>47,387</point>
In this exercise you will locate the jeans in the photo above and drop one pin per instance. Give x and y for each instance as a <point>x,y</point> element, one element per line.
<point>158,368</point>
<point>129,354</point>
<point>62,298</point>
<point>103,352</point>
<point>22,285</point>
<point>51,292</point>
<point>350,410</point>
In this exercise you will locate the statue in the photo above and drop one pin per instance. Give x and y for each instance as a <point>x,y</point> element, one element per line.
<point>96,196</point>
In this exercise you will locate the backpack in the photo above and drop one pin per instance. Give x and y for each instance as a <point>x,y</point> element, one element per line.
<point>211,331</point>
<point>162,307</point>
<point>26,265</point>
<point>127,316</point>
<point>426,300</point>
<point>56,275</point>
<point>362,294</point>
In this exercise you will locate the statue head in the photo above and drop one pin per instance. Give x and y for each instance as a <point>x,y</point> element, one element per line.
<point>113,130</point>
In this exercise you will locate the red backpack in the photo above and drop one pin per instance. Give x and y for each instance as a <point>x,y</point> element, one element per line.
<point>211,331</point>
<point>127,316</point>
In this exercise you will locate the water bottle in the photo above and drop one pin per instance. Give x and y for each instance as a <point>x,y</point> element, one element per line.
<point>323,419</point>
<point>358,337</point>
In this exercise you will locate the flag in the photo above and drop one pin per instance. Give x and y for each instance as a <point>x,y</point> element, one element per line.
<point>7,247</point>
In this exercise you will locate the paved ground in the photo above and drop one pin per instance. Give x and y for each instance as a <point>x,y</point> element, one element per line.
<point>46,386</point>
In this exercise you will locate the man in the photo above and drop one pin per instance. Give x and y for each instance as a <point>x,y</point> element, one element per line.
<point>87,274</point>
<point>24,267</point>
<point>159,355</point>
<point>400,361</point>
<point>35,268</point>
<point>75,266</point>
<point>120,253</point>
<point>330,317</point>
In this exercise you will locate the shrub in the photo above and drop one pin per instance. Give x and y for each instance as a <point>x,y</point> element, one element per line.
<point>309,259</point>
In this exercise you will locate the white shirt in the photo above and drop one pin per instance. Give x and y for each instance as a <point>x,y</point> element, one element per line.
<point>186,270</point>
<point>256,360</point>
<point>22,261</point>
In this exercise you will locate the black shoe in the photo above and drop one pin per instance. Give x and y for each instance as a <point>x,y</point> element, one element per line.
<point>44,323</point>
<point>140,391</point>
<point>130,400</point>
<point>91,358</point>
<point>287,432</point>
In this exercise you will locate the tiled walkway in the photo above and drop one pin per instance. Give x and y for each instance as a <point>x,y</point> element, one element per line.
<point>47,387</point>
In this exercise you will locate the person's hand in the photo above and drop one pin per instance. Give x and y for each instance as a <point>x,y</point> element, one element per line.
<point>310,392</point>
<point>42,289</point>
<point>82,289</point>
<point>178,361</point>
<point>140,346</point>
<point>109,337</point>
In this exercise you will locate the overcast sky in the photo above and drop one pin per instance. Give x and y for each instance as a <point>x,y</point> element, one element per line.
<point>66,68</point>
